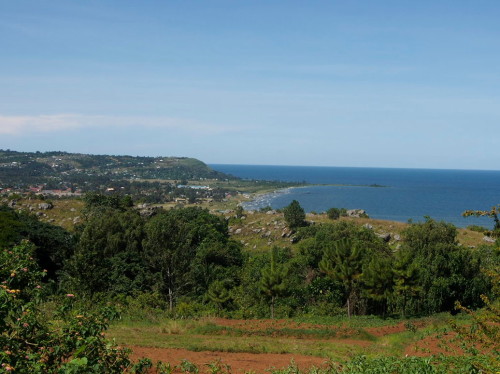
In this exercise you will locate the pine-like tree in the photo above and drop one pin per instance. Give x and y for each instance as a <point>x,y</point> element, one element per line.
<point>272,282</point>
<point>342,261</point>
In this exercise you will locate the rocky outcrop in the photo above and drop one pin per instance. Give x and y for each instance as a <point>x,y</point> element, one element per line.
<point>356,213</point>
<point>45,206</point>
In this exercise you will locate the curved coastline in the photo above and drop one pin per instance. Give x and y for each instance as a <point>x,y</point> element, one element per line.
<point>262,200</point>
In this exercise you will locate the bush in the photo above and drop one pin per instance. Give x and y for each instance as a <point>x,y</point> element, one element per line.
<point>294,215</point>
<point>30,344</point>
<point>333,213</point>
<point>477,228</point>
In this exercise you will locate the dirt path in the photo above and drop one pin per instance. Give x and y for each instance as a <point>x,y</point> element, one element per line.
<point>239,362</point>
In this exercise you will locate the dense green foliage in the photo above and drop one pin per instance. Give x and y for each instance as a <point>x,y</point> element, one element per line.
<point>184,261</point>
<point>18,168</point>
<point>186,256</point>
<point>294,215</point>
<point>31,344</point>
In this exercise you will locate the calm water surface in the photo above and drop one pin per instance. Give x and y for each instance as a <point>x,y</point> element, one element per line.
<point>408,193</point>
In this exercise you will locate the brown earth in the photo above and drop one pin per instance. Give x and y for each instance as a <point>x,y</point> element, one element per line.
<point>444,344</point>
<point>238,362</point>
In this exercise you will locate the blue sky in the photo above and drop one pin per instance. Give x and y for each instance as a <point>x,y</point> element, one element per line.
<point>333,83</point>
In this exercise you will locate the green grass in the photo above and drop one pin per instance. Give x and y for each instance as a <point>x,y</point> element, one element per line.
<point>334,337</point>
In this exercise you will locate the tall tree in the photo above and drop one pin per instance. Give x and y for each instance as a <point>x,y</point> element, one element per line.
<point>342,261</point>
<point>108,256</point>
<point>378,280</point>
<point>272,281</point>
<point>172,241</point>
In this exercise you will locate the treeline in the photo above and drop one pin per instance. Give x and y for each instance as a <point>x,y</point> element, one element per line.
<point>22,169</point>
<point>184,261</point>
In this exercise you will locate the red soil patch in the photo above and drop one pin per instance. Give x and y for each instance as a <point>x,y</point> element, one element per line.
<point>339,333</point>
<point>386,330</point>
<point>239,362</point>
<point>433,345</point>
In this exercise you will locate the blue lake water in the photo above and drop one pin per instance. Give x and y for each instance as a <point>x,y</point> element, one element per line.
<point>409,193</point>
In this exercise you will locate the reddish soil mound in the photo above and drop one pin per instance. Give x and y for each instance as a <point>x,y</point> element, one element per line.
<point>239,362</point>
<point>433,345</point>
<point>386,330</point>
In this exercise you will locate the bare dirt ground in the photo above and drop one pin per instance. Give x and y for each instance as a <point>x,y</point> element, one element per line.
<point>239,362</point>
<point>442,343</point>
<point>445,344</point>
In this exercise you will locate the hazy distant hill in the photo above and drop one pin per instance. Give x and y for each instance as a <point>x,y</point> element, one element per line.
<point>62,167</point>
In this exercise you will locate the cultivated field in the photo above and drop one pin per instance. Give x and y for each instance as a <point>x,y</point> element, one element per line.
<point>259,345</point>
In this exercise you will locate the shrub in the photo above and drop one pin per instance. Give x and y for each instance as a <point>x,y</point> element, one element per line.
<point>333,213</point>
<point>31,344</point>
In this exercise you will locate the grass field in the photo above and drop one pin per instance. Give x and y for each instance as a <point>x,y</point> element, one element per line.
<point>308,341</point>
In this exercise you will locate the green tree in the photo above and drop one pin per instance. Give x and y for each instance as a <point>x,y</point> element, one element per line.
<point>272,281</point>
<point>432,266</point>
<point>342,261</point>
<point>108,256</point>
<point>215,260</point>
<point>171,245</point>
<point>218,293</point>
<point>378,280</point>
<point>406,280</point>
<point>53,243</point>
<point>333,213</point>
<point>294,215</point>
<point>31,343</point>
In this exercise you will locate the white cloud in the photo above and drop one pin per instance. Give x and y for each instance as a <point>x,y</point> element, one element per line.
<point>20,125</point>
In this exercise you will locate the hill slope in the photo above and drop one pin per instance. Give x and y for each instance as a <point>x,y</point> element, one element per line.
<point>28,168</point>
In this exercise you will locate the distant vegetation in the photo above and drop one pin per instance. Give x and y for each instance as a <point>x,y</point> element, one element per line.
<point>61,287</point>
<point>187,255</point>
<point>87,172</point>
<point>146,179</point>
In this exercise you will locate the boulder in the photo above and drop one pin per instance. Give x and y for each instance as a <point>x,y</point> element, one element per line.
<point>355,213</point>
<point>45,206</point>
<point>489,239</point>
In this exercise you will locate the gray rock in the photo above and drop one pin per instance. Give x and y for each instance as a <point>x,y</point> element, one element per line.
<point>237,231</point>
<point>397,237</point>
<point>45,206</point>
<point>355,213</point>
<point>368,226</point>
<point>488,239</point>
